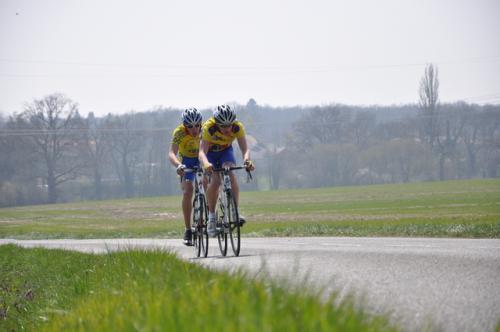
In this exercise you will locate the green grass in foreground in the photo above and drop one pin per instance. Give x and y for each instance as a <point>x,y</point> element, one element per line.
<point>56,290</point>
<point>467,208</point>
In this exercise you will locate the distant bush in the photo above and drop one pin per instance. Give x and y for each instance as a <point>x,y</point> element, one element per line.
<point>8,194</point>
<point>15,194</point>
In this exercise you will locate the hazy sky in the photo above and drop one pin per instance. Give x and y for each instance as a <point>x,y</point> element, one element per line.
<point>116,56</point>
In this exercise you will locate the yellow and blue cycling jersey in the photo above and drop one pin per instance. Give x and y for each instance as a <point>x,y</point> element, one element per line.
<point>217,141</point>
<point>189,146</point>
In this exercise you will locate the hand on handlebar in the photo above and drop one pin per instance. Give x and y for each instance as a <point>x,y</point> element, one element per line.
<point>249,165</point>
<point>180,169</point>
<point>208,168</point>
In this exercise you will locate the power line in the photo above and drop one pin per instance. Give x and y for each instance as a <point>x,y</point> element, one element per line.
<point>250,68</point>
<point>247,124</point>
<point>40,132</point>
<point>483,98</point>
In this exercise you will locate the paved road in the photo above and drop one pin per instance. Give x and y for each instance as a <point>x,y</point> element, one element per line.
<point>453,284</point>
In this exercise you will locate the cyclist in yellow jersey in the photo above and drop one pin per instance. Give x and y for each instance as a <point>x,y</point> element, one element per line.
<point>218,134</point>
<point>186,143</point>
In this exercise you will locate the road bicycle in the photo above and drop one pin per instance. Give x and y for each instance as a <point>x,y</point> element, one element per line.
<point>227,216</point>
<point>200,214</point>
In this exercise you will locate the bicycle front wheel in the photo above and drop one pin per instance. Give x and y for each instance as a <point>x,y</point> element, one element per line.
<point>234,223</point>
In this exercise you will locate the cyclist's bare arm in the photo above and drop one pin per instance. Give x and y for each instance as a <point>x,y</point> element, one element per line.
<point>204,145</point>
<point>172,155</point>
<point>245,151</point>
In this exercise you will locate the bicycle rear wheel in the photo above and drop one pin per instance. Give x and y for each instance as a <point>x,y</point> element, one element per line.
<point>221,225</point>
<point>234,223</point>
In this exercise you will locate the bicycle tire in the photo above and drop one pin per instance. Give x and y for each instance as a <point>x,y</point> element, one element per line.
<point>234,223</point>
<point>197,241</point>
<point>203,234</point>
<point>222,235</point>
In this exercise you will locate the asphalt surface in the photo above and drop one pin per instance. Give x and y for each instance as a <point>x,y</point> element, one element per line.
<point>441,284</point>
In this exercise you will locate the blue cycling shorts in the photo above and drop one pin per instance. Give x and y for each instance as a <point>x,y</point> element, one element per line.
<point>221,157</point>
<point>190,163</point>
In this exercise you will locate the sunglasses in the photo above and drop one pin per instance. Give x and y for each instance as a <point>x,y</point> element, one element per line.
<point>225,126</point>
<point>198,125</point>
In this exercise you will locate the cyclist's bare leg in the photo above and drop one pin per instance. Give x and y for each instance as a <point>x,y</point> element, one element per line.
<point>213,192</point>
<point>205,183</point>
<point>187,196</point>
<point>235,187</point>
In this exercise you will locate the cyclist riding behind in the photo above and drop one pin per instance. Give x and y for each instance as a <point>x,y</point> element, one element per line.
<point>186,143</point>
<point>216,150</point>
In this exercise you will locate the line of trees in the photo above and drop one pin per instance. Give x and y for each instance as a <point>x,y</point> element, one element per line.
<point>50,153</point>
<point>336,146</point>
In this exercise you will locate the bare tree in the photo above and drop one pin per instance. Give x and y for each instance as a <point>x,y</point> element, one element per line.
<point>126,143</point>
<point>440,132</point>
<point>322,125</point>
<point>96,152</point>
<point>7,165</point>
<point>362,127</point>
<point>161,175</point>
<point>50,123</point>
<point>490,141</point>
<point>449,131</point>
<point>470,135</point>
<point>429,98</point>
<point>275,161</point>
<point>156,176</point>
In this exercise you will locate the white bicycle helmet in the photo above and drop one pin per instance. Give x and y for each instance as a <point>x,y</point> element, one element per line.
<point>224,115</point>
<point>191,117</point>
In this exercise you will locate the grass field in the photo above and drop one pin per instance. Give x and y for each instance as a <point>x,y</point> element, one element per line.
<point>469,208</point>
<point>54,290</point>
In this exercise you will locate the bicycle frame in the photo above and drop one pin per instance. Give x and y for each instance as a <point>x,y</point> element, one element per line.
<point>199,189</point>
<point>226,180</point>
<point>228,218</point>
<point>198,183</point>
<point>199,225</point>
